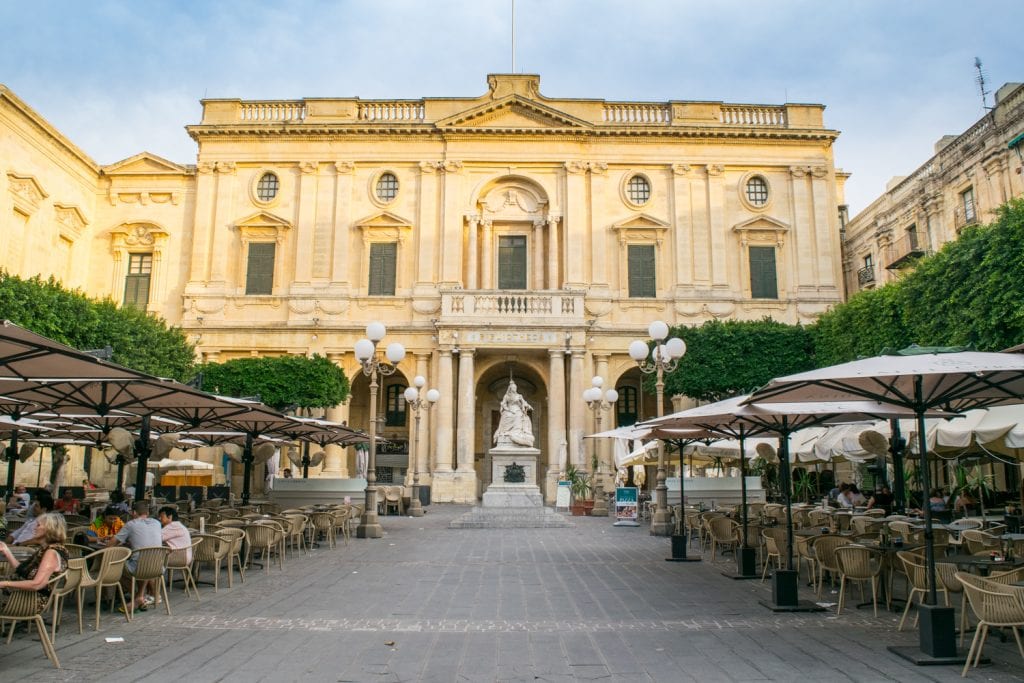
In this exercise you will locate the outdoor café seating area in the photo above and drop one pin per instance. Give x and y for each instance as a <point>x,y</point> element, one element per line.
<point>227,540</point>
<point>879,558</point>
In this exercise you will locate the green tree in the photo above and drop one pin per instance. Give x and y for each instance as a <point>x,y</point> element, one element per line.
<point>725,358</point>
<point>969,293</point>
<point>140,340</point>
<point>279,381</point>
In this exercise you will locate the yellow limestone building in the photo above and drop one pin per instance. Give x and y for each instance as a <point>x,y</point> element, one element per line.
<point>505,235</point>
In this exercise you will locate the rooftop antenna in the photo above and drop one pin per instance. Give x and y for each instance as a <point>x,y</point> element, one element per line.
<point>513,36</point>
<point>980,80</point>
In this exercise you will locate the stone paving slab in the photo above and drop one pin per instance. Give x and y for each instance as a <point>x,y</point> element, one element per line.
<point>429,603</point>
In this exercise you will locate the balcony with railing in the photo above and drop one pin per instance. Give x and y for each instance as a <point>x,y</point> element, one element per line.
<point>904,251</point>
<point>866,276</point>
<point>512,306</point>
<point>963,217</point>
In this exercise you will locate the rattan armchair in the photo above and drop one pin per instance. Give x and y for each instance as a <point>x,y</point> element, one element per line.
<point>917,579</point>
<point>149,566</point>
<point>24,605</point>
<point>109,565</point>
<point>825,553</point>
<point>267,539</point>
<point>72,579</point>
<point>180,560</point>
<point>994,604</point>
<point>236,537</point>
<point>857,563</point>
<point>211,549</point>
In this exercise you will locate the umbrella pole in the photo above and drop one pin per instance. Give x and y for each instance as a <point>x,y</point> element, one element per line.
<point>143,459</point>
<point>12,461</point>
<point>746,557</point>
<point>679,541</point>
<point>247,462</point>
<point>899,481</point>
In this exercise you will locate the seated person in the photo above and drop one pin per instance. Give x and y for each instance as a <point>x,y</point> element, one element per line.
<point>288,473</point>
<point>882,499</point>
<point>965,503</point>
<point>118,502</point>
<point>174,533</point>
<point>937,501</point>
<point>857,498</point>
<point>844,498</point>
<point>27,533</point>
<point>15,506</point>
<point>106,525</point>
<point>87,485</point>
<point>142,531</point>
<point>68,504</point>
<point>50,559</point>
<point>22,493</point>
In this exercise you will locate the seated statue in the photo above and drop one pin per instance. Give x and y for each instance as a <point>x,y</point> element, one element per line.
<point>515,427</point>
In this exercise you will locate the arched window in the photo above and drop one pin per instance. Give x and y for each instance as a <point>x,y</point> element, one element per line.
<point>267,187</point>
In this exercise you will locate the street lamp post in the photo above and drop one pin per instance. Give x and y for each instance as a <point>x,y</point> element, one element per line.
<point>598,402</point>
<point>664,357</point>
<point>419,404</point>
<point>374,367</point>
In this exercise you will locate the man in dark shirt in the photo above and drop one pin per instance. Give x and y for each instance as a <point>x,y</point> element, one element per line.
<point>882,499</point>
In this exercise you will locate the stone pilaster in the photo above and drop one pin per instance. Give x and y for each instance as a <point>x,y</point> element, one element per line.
<point>803,242</point>
<point>303,244</point>
<point>556,420</point>
<point>487,255</point>
<point>224,240</point>
<point>577,456</point>
<point>473,251</point>
<point>717,226</point>
<point>554,255</point>
<point>467,412</point>
<point>342,221</point>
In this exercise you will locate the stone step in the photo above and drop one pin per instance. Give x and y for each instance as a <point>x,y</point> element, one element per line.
<point>510,518</point>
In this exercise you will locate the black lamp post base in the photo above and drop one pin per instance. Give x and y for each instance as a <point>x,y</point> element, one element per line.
<point>785,594</point>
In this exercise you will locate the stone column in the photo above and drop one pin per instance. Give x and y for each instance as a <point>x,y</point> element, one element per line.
<point>223,239</point>
<point>202,236</point>
<point>443,437</point>
<point>576,406</point>
<point>717,227</point>
<point>303,243</point>
<point>335,464</point>
<point>451,244</point>
<point>825,231</point>
<point>803,237</point>
<point>429,232</point>
<point>473,251</point>
<point>487,255</point>
<point>538,255</point>
<point>342,219</point>
<point>556,417</point>
<point>553,253</point>
<point>467,411</point>
<point>682,236</point>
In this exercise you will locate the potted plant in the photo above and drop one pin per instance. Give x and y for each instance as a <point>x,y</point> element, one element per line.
<point>579,487</point>
<point>972,482</point>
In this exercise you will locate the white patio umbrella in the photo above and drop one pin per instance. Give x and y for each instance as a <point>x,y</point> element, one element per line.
<point>919,380</point>
<point>169,464</point>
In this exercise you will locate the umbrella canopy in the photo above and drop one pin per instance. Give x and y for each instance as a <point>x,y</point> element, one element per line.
<point>915,379</point>
<point>168,464</point>
<point>27,355</point>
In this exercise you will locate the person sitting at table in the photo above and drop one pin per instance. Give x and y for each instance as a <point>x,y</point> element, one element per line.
<point>15,506</point>
<point>49,559</point>
<point>22,494</point>
<point>87,485</point>
<point>965,502</point>
<point>142,531</point>
<point>882,499</point>
<point>118,502</point>
<point>26,534</point>
<point>174,533</point>
<point>104,526</point>
<point>68,504</point>
<point>857,498</point>
<point>937,501</point>
<point>844,498</point>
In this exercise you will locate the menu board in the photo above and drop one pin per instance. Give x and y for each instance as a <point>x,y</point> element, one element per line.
<point>627,507</point>
<point>562,495</point>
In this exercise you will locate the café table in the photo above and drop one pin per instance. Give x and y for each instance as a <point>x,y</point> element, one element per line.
<point>983,563</point>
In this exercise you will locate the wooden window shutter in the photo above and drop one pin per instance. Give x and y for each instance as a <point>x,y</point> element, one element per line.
<point>512,262</point>
<point>383,257</point>
<point>259,274</point>
<point>763,283</point>
<point>642,283</point>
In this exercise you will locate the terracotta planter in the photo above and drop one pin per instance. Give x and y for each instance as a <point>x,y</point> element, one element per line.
<point>578,510</point>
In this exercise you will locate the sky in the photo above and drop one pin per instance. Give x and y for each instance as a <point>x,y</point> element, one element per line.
<point>119,77</point>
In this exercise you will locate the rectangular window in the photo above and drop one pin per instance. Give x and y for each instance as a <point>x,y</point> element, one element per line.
<point>136,282</point>
<point>395,412</point>
<point>912,237</point>
<point>383,256</point>
<point>869,262</point>
<point>259,274</point>
<point>967,197</point>
<point>512,262</point>
<point>763,284</point>
<point>642,284</point>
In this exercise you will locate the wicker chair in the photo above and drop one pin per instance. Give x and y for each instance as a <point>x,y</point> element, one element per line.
<point>723,534</point>
<point>866,525</point>
<point>946,574</point>
<point>842,522</point>
<point>805,555</point>
<point>857,563</point>
<point>178,561</point>
<point>296,530</point>
<point>977,542</point>
<point>393,499</point>
<point>994,604</point>
<point>23,605</point>
<point>341,525</point>
<point>774,541</point>
<point>266,538</point>
<point>109,564</point>
<point>236,539</point>
<point>72,579</point>
<point>211,549</point>
<point>917,579</point>
<point>149,566</point>
<point>323,524</point>
<point>819,518</point>
<point>825,552</point>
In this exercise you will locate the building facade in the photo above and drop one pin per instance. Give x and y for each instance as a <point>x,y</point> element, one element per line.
<point>510,235</point>
<point>969,176</point>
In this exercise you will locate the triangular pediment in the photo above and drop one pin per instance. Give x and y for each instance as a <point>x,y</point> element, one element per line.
<point>384,219</point>
<point>512,112</point>
<point>144,164</point>
<point>262,219</point>
<point>761,223</point>
<point>642,222</point>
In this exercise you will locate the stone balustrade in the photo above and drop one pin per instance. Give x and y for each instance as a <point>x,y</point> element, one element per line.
<point>392,110</point>
<point>512,305</point>
<point>272,111</point>
<point>752,115</point>
<point>636,112</point>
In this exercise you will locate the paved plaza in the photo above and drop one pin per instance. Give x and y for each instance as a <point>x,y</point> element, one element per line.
<point>429,603</point>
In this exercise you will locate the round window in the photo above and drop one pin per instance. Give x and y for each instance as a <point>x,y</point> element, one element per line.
<point>757,191</point>
<point>387,187</point>
<point>638,189</point>
<point>267,187</point>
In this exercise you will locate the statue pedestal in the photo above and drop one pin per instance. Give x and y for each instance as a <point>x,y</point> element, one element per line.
<point>513,494</point>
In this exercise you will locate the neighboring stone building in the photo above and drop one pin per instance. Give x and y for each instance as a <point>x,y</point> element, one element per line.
<point>510,234</point>
<point>970,175</point>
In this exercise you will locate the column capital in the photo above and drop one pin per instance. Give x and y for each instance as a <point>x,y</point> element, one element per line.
<point>344,167</point>
<point>681,169</point>
<point>798,171</point>
<point>309,167</point>
<point>553,219</point>
<point>226,167</point>
<point>715,169</point>
<point>473,219</point>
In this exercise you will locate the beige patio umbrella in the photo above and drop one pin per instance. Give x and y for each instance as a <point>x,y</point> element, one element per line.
<point>915,379</point>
